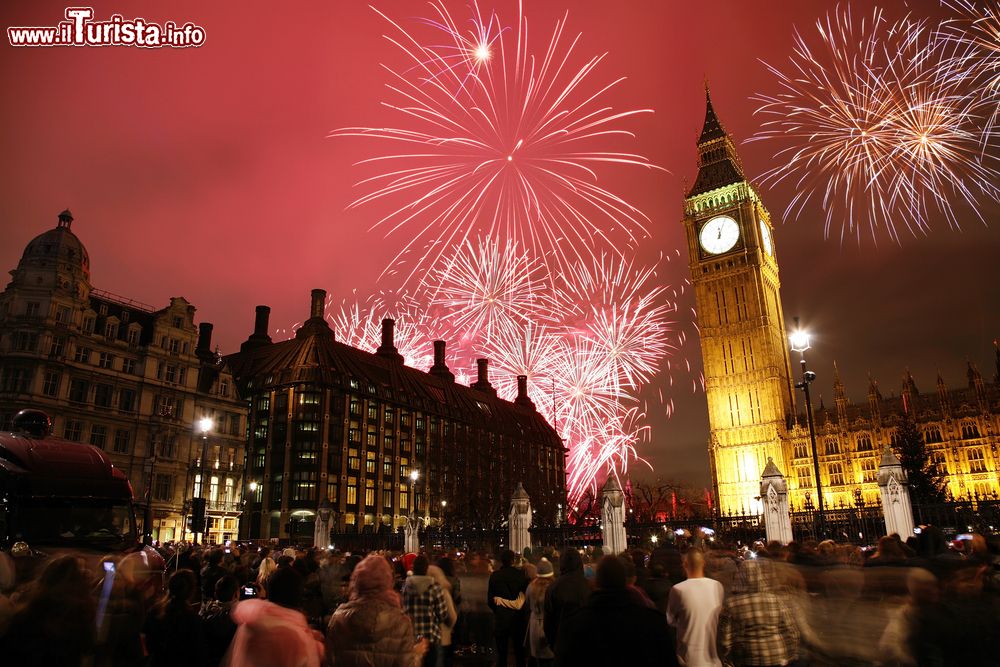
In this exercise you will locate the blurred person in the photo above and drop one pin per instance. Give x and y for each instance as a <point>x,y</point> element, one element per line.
<point>693,609</point>
<point>657,586</point>
<point>264,572</point>
<point>425,604</point>
<point>119,631</point>
<point>217,623</point>
<point>756,626</point>
<point>538,647</point>
<point>888,552</point>
<point>173,629</point>
<point>611,629</point>
<point>211,573</point>
<point>567,593</point>
<point>274,632</point>
<point>370,629</point>
<point>631,576</point>
<point>52,624</point>
<point>444,658</point>
<point>508,583</point>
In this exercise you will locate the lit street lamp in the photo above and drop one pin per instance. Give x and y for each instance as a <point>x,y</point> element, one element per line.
<point>204,426</point>
<point>414,476</point>
<point>799,340</point>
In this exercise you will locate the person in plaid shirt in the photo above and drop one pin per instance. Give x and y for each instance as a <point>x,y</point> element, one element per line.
<point>424,602</point>
<point>756,627</point>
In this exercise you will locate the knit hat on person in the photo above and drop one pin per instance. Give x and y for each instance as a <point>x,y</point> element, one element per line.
<point>372,578</point>
<point>544,568</point>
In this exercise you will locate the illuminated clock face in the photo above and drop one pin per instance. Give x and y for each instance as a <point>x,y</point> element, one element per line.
<point>765,237</point>
<point>719,235</point>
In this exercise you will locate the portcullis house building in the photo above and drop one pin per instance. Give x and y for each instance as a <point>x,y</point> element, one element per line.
<point>332,422</point>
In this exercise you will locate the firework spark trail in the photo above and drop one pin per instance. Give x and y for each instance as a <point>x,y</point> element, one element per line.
<point>502,142</point>
<point>880,127</point>
<point>626,315</point>
<point>486,287</point>
<point>975,32</point>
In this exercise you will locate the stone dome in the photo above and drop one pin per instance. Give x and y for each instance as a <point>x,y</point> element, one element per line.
<point>59,249</point>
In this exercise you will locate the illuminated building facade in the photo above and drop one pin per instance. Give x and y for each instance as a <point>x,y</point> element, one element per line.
<point>748,379</point>
<point>132,380</point>
<point>329,422</point>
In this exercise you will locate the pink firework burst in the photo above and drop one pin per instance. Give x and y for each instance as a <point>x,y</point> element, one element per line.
<point>487,287</point>
<point>499,140</point>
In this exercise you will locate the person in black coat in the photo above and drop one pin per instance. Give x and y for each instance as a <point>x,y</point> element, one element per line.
<point>612,629</point>
<point>508,583</point>
<point>567,594</point>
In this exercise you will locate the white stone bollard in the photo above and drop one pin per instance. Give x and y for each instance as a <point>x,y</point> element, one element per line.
<point>893,486</point>
<point>411,535</point>
<point>613,517</point>
<point>520,520</point>
<point>774,497</point>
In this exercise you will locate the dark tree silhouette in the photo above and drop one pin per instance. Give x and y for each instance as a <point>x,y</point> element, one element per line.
<point>927,482</point>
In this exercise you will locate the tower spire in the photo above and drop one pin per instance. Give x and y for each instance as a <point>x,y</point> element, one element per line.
<point>718,163</point>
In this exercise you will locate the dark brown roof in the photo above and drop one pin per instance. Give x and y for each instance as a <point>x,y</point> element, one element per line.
<point>718,164</point>
<point>319,359</point>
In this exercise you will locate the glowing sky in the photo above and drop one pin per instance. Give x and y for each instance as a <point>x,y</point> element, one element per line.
<point>205,173</point>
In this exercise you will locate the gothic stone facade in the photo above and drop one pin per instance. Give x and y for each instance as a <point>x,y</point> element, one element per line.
<point>129,379</point>
<point>331,422</point>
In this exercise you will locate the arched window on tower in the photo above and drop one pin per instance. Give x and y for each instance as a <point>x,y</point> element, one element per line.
<point>864,443</point>
<point>970,430</point>
<point>832,446</point>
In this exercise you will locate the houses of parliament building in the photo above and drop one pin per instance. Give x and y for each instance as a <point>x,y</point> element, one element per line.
<point>748,374</point>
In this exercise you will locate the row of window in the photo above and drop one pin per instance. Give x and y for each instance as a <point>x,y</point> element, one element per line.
<point>99,435</point>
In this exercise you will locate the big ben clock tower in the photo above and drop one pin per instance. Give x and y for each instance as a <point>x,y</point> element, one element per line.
<point>734,271</point>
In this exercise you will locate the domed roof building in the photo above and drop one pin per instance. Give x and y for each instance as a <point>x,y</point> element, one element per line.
<point>55,259</point>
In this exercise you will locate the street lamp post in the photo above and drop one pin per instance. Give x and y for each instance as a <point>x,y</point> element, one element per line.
<point>205,425</point>
<point>799,340</point>
<point>414,476</point>
<point>147,515</point>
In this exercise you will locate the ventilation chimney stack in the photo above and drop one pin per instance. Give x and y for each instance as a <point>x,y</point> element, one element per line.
<point>522,393</point>
<point>318,303</point>
<point>259,336</point>
<point>440,368</point>
<point>483,381</point>
<point>316,324</point>
<point>204,349</point>
<point>387,349</point>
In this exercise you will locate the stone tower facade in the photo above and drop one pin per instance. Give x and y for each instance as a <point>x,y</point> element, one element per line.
<point>734,272</point>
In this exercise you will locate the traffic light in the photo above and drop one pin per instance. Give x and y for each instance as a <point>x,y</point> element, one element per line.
<point>197,515</point>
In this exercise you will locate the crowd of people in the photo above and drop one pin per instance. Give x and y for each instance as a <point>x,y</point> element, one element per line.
<point>691,602</point>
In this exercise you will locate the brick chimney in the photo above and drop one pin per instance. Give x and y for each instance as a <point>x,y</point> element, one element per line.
<point>440,368</point>
<point>522,393</point>
<point>259,336</point>
<point>483,381</point>
<point>316,324</point>
<point>204,348</point>
<point>387,350</point>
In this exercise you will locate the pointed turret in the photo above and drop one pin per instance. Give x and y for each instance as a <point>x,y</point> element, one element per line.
<point>718,163</point>
<point>976,381</point>
<point>996,354</point>
<point>839,394</point>
<point>942,392</point>
<point>909,392</point>
<point>874,399</point>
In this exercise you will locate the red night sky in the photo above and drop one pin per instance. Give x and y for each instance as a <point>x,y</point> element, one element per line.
<point>206,173</point>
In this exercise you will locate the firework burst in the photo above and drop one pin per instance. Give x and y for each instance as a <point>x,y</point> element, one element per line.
<point>500,141</point>
<point>488,287</point>
<point>975,32</point>
<point>881,129</point>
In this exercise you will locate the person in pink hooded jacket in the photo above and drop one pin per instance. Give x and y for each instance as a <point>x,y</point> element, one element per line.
<point>274,632</point>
